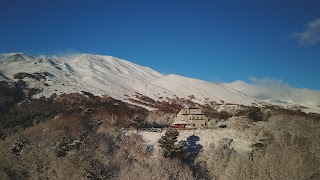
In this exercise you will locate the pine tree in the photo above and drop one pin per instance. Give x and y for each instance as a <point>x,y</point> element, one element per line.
<point>180,150</point>
<point>170,147</point>
<point>138,123</point>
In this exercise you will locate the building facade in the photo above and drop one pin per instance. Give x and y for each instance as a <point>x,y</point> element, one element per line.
<point>190,118</point>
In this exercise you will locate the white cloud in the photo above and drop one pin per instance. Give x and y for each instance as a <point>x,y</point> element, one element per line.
<point>67,52</point>
<point>311,35</point>
<point>273,89</point>
<point>60,54</point>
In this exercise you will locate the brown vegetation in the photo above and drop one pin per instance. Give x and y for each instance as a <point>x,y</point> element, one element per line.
<point>102,152</point>
<point>284,147</point>
<point>80,136</point>
<point>37,75</point>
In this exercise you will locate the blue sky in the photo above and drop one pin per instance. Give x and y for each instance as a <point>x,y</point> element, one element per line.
<point>216,41</point>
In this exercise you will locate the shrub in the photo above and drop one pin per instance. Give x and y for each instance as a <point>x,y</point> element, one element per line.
<point>222,126</point>
<point>3,135</point>
<point>223,115</point>
<point>18,145</point>
<point>96,170</point>
<point>255,114</point>
<point>240,112</point>
<point>62,147</point>
<point>32,92</point>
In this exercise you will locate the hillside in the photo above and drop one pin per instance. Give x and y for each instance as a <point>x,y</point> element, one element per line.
<point>73,118</point>
<point>78,136</point>
<point>110,76</point>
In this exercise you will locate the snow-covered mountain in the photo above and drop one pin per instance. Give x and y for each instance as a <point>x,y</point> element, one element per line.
<point>107,75</point>
<point>126,81</point>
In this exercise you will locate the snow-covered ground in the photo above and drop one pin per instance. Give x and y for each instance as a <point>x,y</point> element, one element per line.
<point>120,79</point>
<point>207,137</point>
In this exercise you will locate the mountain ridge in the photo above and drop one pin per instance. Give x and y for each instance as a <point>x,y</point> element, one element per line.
<point>117,78</point>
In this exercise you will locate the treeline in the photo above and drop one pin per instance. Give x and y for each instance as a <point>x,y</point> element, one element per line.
<point>18,111</point>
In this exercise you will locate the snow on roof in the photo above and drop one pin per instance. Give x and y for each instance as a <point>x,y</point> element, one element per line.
<point>181,122</point>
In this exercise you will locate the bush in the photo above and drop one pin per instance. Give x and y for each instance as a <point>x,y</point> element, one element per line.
<point>224,115</point>
<point>222,126</point>
<point>18,145</point>
<point>96,170</point>
<point>255,114</point>
<point>62,147</point>
<point>3,135</point>
<point>240,112</point>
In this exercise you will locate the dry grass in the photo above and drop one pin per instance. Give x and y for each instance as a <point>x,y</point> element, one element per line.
<point>105,154</point>
<point>286,146</point>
